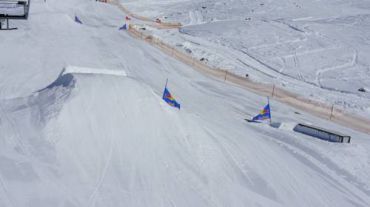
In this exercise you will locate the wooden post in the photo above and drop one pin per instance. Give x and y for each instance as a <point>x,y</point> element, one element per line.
<point>273,90</point>
<point>225,75</point>
<point>331,112</point>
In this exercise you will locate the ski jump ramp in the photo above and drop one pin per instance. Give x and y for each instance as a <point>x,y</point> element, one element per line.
<point>95,71</point>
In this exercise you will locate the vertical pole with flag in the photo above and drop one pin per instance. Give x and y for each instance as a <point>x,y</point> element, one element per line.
<point>127,22</point>
<point>165,88</point>
<point>264,114</point>
<point>268,103</point>
<point>167,97</point>
<point>126,25</point>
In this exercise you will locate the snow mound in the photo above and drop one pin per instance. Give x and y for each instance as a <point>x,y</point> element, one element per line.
<point>112,135</point>
<point>113,140</point>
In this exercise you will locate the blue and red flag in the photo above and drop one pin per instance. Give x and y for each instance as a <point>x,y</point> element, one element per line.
<point>124,27</point>
<point>78,20</point>
<point>264,114</point>
<point>167,97</point>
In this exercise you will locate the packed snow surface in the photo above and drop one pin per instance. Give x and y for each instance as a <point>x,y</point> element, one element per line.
<point>82,123</point>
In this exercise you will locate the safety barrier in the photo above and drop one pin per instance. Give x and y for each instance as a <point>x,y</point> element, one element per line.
<point>153,23</point>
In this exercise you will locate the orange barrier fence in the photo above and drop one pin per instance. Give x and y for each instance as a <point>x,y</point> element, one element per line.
<point>154,23</point>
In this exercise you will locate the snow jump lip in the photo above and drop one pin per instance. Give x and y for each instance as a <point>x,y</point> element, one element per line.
<point>86,70</point>
<point>66,77</point>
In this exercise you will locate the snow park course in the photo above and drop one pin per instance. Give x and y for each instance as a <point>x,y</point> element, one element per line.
<point>312,46</point>
<point>83,123</point>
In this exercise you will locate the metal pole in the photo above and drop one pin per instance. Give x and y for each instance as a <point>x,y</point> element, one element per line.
<point>268,102</point>
<point>166,83</point>
<point>165,88</point>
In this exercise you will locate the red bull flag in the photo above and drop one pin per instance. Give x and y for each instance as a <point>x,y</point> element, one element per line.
<point>264,114</point>
<point>167,97</point>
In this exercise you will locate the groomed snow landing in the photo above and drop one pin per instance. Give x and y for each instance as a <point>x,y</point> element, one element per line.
<point>112,141</point>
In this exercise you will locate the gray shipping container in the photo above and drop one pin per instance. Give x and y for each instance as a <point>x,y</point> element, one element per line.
<point>321,133</point>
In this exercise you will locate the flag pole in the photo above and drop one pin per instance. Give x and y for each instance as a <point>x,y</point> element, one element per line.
<point>268,102</point>
<point>165,88</point>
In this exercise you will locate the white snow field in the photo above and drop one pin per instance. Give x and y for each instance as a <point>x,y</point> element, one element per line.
<point>82,123</point>
<point>319,47</point>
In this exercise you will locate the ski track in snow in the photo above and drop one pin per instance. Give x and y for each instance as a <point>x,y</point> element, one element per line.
<point>103,174</point>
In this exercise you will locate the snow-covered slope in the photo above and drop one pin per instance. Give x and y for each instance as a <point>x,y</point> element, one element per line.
<point>104,137</point>
<point>317,46</point>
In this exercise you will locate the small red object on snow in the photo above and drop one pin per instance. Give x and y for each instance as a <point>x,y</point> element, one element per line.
<point>128,18</point>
